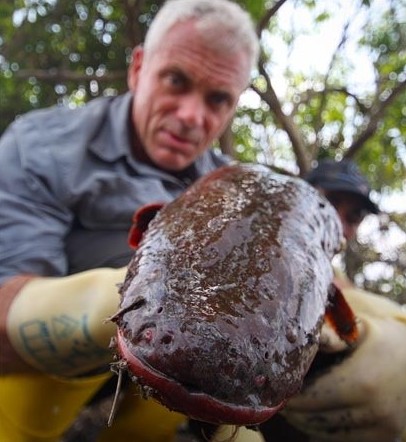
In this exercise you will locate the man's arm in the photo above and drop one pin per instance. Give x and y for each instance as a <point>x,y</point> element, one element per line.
<point>33,223</point>
<point>34,213</point>
<point>59,325</point>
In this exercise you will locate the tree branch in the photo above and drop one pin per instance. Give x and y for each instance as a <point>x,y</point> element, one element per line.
<point>268,15</point>
<point>269,96</point>
<point>318,124</point>
<point>374,120</point>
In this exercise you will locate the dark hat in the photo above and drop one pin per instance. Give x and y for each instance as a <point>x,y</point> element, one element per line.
<point>342,176</point>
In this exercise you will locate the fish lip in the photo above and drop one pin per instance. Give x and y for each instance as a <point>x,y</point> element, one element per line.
<point>199,406</point>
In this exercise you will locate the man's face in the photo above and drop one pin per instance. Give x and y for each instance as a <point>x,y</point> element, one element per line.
<point>350,208</point>
<point>184,95</point>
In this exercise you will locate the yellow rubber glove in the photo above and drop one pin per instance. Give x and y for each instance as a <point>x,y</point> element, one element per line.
<point>58,324</point>
<point>240,434</point>
<point>362,399</point>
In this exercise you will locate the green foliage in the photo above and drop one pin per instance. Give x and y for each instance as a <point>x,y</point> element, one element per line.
<point>59,51</point>
<point>256,8</point>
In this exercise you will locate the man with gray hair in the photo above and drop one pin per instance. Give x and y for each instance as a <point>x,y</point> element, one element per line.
<point>72,183</point>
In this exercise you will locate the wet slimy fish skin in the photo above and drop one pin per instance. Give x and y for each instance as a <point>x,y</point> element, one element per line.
<point>224,299</point>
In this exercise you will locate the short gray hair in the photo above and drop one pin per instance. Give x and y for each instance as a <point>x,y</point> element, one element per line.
<point>212,17</point>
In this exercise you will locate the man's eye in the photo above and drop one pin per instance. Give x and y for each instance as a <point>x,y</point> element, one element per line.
<point>219,98</point>
<point>176,80</point>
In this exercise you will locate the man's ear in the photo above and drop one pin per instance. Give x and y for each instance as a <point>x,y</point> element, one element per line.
<point>134,68</point>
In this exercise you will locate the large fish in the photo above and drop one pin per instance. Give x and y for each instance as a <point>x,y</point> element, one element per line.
<point>223,302</point>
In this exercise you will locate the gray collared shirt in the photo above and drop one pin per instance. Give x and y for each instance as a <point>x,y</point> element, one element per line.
<point>69,186</point>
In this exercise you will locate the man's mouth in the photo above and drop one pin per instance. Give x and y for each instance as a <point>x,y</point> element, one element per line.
<point>176,142</point>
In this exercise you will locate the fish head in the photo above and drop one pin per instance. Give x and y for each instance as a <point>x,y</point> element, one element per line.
<point>223,302</point>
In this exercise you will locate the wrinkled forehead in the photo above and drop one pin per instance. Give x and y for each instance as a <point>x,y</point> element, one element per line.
<point>214,46</point>
<point>219,39</point>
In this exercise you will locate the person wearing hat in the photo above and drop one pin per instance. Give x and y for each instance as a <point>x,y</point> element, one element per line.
<point>363,397</point>
<point>347,190</point>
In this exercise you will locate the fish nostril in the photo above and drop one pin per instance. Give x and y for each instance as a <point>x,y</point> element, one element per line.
<point>167,339</point>
<point>160,310</point>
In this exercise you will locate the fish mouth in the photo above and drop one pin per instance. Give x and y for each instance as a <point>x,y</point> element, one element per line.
<point>196,405</point>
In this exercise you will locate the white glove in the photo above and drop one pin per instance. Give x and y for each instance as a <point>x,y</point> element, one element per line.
<point>363,398</point>
<point>58,324</point>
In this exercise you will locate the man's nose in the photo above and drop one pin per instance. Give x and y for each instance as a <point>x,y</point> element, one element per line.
<point>191,110</point>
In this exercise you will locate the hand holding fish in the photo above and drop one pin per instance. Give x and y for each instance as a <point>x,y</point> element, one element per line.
<point>362,398</point>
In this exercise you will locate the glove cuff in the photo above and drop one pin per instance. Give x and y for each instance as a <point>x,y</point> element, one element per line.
<point>58,325</point>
